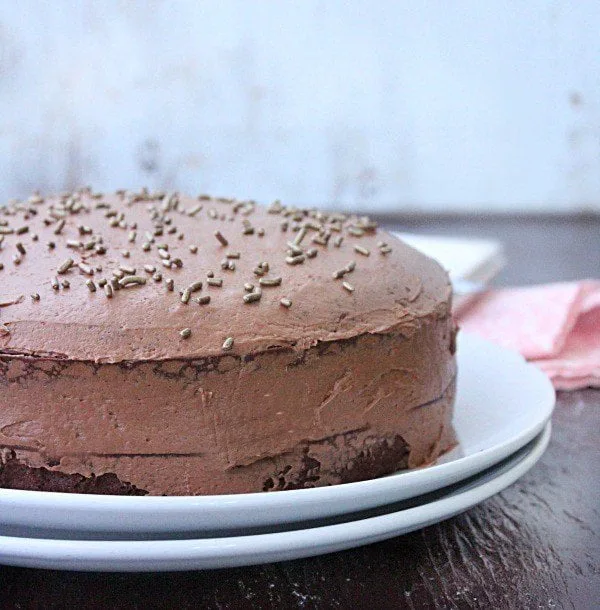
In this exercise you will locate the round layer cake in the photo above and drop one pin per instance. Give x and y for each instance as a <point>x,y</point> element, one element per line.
<point>155,343</point>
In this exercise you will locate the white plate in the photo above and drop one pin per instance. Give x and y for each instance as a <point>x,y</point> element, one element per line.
<point>247,550</point>
<point>502,403</point>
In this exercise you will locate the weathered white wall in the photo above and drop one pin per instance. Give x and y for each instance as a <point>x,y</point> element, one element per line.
<point>422,104</point>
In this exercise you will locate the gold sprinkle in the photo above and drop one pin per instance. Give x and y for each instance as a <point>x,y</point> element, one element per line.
<point>385,250</point>
<point>54,283</point>
<point>127,270</point>
<point>118,274</point>
<point>65,284</point>
<point>300,236</point>
<point>356,231</point>
<point>274,281</point>
<point>264,265</point>
<point>157,277</point>
<point>114,282</point>
<point>233,255</point>
<point>248,230</point>
<point>285,302</point>
<point>132,236</point>
<point>163,254</point>
<point>100,250</point>
<point>350,267</point>
<point>21,248</point>
<point>195,210</point>
<point>337,242</point>
<point>149,237</point>
<point>149,268</point>
<point>348,287</point>
<point>221,238</point>
<point>205,300</point>
<point>102,282</point>
<point>65,266</point>
<point>252,297</point>
<point>295,260</point>
<point>258,271</point>
<point>381,244</point>
<point>339,274</point>
<point>59,227</point>
<point>34,237</point>
<point>195,286</point>
<point>227,344</point>
<point>35,296</point>
<point>294,250</point>
<point>16,259</point>
<point>260,232</point>
<point>248,287</point>
<point>85,269</point>
<point>125,253</point>
<point>311,252</point>
<point>321,239</point>
<point>72,243</point>
<point>90,284</point>
<point>167,264</point>
<point>185,296</point>
<point>146,246</point>
<point>210,274</point>
<point>132,280</point>
<point>185,333</point>
<point>214,281</point>
<point>362,250</point>
<point>6,231</point>
<point>170,284</point>
<point>108,291</point>
<point>193,249</point>
<point>177,262</point>
<point>22,230</point>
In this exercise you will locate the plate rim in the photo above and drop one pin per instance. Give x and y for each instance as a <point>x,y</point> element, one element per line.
<point>104,505</point>
<point>211,553</point>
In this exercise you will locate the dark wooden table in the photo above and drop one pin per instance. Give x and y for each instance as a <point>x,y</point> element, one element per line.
<point>536,545</point>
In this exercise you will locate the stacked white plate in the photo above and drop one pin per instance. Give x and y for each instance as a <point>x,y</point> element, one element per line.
<point>502,419</point>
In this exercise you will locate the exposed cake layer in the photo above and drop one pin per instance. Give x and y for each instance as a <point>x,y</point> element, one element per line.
<point>338,412</point>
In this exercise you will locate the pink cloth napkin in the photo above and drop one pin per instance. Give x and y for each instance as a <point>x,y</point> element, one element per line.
<point>556,326</point>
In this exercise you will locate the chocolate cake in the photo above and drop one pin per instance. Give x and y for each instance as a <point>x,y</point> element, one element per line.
<point>162,344</point>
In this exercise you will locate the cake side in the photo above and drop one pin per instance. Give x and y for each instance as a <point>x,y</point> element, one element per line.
<point>335,413</point>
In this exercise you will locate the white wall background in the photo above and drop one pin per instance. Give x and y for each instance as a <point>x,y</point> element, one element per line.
<point>428,105</point>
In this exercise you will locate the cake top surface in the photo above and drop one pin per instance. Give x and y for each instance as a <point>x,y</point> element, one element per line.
<point>140,276</point>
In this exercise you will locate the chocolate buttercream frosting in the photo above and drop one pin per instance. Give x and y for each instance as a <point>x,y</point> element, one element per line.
<point>164,344</point>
